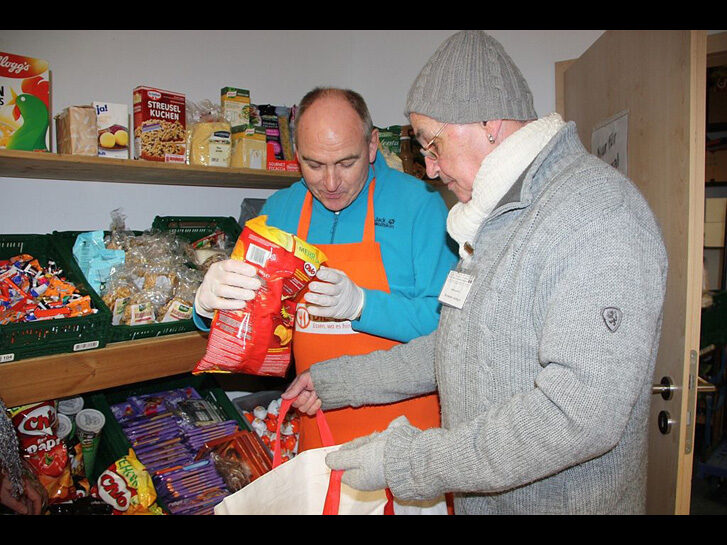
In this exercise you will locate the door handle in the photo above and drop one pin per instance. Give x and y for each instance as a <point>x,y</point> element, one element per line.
<point>665,422</point>
<point>705,386</point>
<point>665,388</point>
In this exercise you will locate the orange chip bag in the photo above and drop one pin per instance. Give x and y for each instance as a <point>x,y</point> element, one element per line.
<point>256,340</point>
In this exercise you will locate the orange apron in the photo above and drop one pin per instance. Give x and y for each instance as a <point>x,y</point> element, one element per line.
<point>362,262</point>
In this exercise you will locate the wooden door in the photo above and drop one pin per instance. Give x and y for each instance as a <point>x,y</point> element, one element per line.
<point>659,79</point>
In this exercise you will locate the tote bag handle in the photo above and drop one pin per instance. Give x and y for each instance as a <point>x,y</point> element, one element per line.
<point>333,496</point>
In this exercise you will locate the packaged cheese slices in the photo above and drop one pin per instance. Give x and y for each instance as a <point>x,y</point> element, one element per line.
<point>256,340</point>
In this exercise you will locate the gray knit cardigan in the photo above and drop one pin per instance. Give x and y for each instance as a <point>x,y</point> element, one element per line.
<point>544,376</point>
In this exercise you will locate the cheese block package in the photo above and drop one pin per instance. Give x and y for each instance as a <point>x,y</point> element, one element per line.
<point>256,340</point>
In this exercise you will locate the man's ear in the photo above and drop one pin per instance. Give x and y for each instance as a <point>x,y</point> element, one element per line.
<point>373,145</point>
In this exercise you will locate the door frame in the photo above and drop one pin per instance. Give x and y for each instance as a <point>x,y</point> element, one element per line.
<point>716,53</point>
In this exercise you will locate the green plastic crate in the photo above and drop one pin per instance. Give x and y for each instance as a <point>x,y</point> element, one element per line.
<point>114,443</point>
<point>42,338</point>
<point>189,228</point>
<point>193,228</point>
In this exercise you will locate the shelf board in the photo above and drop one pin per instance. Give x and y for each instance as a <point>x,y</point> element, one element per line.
<point>53,377</point>
<point>42,165</point>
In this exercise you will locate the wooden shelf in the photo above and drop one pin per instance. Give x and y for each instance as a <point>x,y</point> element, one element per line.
<point>62,375</point>
<point>28,164</point>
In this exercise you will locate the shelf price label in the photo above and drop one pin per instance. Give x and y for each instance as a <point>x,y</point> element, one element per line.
<point>85,346</point>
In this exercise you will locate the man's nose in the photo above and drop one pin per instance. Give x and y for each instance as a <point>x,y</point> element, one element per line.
<point>330,180</point>
<point>432,167</point>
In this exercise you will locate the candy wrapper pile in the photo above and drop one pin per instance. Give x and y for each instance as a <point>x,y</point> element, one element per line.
<point>166,431</point>
<point>264,421</point>
<point>30,292</point>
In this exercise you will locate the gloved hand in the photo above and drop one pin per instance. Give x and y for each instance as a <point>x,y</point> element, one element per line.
<point>335,297</point>
<point>362,460</point>
<point>227,285</point>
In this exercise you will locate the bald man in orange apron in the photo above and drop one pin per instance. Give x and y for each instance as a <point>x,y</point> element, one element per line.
<point>372,294</point>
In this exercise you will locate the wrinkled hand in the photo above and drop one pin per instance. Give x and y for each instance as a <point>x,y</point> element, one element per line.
<point>228,285</point>
<point>304,393</point>
<point>336,296</point>
<point>362,460</point>
<point>31,502</point>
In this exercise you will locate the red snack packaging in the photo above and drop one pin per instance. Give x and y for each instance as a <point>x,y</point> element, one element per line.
<point>256,340</point>
<point>44,452</point>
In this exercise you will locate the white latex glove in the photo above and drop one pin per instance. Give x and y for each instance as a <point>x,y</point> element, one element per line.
<point>335,297</point>
<point>228,285</point>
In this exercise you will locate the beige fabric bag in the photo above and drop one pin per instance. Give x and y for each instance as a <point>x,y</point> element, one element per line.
<point>305,485</point>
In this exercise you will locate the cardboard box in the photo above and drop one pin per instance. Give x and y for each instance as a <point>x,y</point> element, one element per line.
<point>24,103</point>
<point>715,212</point>
<point>112,125</point>
<point>159,125</point>
<point>235,106</point>
<point>277,164</point>
<point>716,166</point>
<point>76,132</point>
<point>249,149</point>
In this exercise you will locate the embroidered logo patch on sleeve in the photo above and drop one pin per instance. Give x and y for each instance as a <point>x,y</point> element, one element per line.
<point>613,318</point>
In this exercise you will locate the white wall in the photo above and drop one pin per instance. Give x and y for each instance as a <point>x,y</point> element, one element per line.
<point>277,66</point>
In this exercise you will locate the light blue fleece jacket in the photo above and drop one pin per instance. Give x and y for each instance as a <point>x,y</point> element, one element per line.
<point>411,229</point>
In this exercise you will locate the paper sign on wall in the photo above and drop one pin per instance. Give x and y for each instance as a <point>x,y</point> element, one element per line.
<point>609,141</point>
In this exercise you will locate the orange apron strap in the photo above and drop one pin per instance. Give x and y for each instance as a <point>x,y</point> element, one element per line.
<point>369,234</point>
<point>306,213</point>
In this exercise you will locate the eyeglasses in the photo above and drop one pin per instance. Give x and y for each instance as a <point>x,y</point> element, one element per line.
<point>425,151</point>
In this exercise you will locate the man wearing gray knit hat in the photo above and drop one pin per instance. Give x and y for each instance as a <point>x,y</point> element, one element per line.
<point>550,327</point>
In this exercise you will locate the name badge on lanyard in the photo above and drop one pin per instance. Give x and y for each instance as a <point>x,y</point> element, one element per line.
<point>456,289</point>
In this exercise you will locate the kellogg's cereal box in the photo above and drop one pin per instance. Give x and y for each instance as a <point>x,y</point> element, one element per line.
<point>159,125</point>
<point>24,103</point>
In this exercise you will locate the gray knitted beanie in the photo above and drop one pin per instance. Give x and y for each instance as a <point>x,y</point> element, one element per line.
<point>470,78</point>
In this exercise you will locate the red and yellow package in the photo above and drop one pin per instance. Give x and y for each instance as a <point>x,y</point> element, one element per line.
<point>127,486</point>
<point>256,340</point>
<point>45,453</point>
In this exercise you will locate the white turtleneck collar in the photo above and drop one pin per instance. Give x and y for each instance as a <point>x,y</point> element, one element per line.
<point>499,170</point>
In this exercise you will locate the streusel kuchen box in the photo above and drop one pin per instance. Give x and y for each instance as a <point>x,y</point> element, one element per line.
<point>159,125</point>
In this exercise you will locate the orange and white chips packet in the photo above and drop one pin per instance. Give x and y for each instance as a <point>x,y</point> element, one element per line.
<point>256,340</point>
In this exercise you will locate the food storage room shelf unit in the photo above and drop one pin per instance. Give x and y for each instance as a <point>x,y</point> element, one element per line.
<point>62,375</point>
<point>53,166</point>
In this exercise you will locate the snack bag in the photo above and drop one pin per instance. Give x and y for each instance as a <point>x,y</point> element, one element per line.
<point>44,452</point>
<point>256,339</point>
<point>127,487</point>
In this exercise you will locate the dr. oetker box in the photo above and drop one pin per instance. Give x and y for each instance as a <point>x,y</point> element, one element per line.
<point>159,125</point>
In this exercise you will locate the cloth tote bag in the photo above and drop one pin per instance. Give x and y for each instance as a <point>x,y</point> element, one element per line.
<point>305,485</point>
